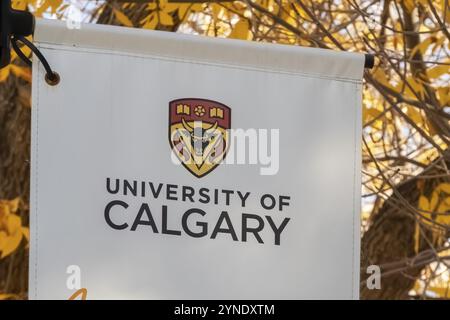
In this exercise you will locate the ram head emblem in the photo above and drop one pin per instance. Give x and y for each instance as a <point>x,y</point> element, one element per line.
<point>198,133</point>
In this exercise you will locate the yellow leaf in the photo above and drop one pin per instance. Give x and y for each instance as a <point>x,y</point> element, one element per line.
<point>7,296</point>
<point>424,204</point>
<point>150,22</point>
<point>370,114</point>
<point>444,214</point>
<point>11,244</point>
<point>446,9</point>
<point>4,73</point>
<point>240,30</point>
<point>441,292</point>
<point>19,4</point>
<point>414,114</point>
<point>54,4</point>
<point>438,71</point>
<point>197,7</point>
<point>5,209</point>
<point>14,205</point>
<point>444,187</point>
<point>22,72</point>
<point>170,7</point>
<point>13,223</point>
<point>434,201</point>
<point>3,237</point>
<point>444,95</point>
<point>444,253</point>
<point>430,128</point>
<point>26,233</point>
<point>425,210</point>
<point>42,8</point>
<point>423,46</point>
<point>416,85</point>
<point>380,76</point>
<point>409,5</point>
<point>152,6</point>
<point>183,10</point>
<point>122,18</point>
<point>216,10</point>
<point>44,5</point>
<point>165,18</point>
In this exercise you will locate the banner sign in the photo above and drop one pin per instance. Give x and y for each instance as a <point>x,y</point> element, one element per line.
<point>170,166</point>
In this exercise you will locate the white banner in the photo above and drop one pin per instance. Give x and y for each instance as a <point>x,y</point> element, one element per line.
<point>168,166</point>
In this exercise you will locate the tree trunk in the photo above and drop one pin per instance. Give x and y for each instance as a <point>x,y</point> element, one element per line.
<point>15,123</point>
<point>391,238</point>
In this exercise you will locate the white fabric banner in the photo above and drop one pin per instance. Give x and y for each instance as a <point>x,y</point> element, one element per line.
<point>168,166</point>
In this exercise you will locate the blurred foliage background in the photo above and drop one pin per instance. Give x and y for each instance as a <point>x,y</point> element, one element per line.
<point>406,110</point>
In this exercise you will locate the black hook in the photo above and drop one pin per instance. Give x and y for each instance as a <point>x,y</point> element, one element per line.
<point>15,25</point>
<point>51,77</point>
<point>369,61</point>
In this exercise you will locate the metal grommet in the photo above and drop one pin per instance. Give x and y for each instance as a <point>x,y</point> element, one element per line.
<point>52,79</point>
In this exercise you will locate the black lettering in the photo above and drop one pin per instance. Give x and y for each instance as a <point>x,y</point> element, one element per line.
<point>246,229</point>
<point>243,197</point>
<point>108,214</point>
<point>128,187</point>
<point>277,230</point>
<point>203,225</point>
<point>165,230</point>
<point>188,192</point>
<point>227,196</point>
<point>143,189</point>
<point>171,191</point>
<point>229,229</point>
<point>108,186</point>
<point>216,196</point>
<point>204,195</point>
<point>263,202</point>
<point>284,203</point>
<point>156,192</point>
<point>138,221</point>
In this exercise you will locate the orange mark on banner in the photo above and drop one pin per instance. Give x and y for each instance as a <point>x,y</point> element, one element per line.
<point>81,292</point>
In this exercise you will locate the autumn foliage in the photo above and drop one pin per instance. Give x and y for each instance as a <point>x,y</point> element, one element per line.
<point>406,111</point>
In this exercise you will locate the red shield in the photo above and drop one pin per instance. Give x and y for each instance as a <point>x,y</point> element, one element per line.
<point>198,133</point>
